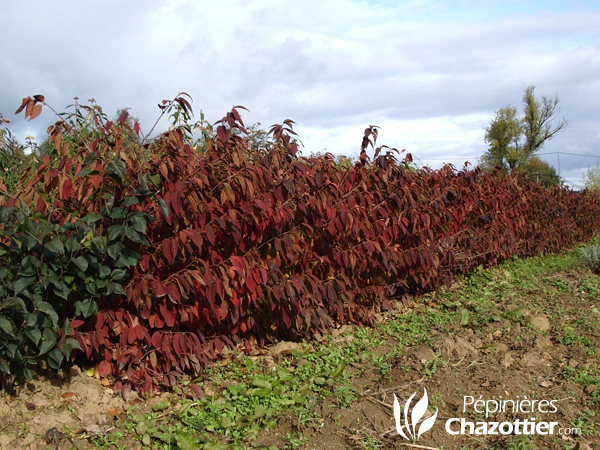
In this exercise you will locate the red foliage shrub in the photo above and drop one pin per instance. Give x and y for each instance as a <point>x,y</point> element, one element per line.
<point>244,244</point>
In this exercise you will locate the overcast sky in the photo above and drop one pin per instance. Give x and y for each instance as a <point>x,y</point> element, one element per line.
<point>430,73</point>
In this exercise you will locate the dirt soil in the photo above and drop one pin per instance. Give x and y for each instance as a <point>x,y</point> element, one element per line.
<point>495,367</point>
<point>503,359</point>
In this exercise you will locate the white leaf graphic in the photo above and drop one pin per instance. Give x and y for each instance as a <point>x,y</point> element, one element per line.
<point>397,417</point>
<point>419,411</point>
<point>406,408</point>
<point>427,424</point>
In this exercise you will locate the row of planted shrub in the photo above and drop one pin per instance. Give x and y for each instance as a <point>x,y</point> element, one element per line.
<point>150,256</point>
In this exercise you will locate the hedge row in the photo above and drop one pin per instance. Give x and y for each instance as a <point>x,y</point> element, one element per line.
<point>149,257</point>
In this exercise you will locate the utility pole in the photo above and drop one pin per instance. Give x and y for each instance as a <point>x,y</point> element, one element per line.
<point>558,153</point>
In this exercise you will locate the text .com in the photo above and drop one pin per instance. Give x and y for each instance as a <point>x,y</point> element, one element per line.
<point>457,426</point>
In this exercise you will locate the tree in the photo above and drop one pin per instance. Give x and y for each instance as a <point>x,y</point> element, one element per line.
<point>503,138</point>
<point>591,179</point>
<point>513,141</point>
<point>540,171</point>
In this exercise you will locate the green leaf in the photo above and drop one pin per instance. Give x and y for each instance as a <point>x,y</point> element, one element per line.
<point>55,245</point>
<point>81,263</point>
<point>23,283</point>
<point>29,265</point>
<point>161,406</point>
<point>261,383</point>
<point>114,250</point>
<point>464,317</point>
<point>100,244</point>
<point>48,341</point>
<point>61,289</point>
<point>320,381</point>
<point>92,218</point>
<point>114,232</point>
<point>67,328</point>
<point>28,241</point>
<point>91,288</point>
<point>72,245</point>
<point>338,371</point>
<point>259,411</point>
<point>116,169</point>
<point>164,207</point>
<point>34,334</point>
<point>186,441</point>
<point>130,233</point>
<point>167,438</point>
<point>138,222</point>
<point>155,179</point>
<point>103,271</point>
<point>69,345</point>
<point>14,303</point>
<point>13,351</point>
<point>119,274</point>
<point>55,358</point>
<point>128,258</point>
<point>27,373</point>
<point>87,308</point>
<point>4,367</point>
<point>226,421</point>
<point>47,309</point>
<point>6,326</point>
<point>131,201</point>
<point>118,213</point>
<point>118,289</point>
<point>85,172</point>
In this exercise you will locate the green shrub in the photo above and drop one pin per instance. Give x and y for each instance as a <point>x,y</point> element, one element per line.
<point>591,256</point>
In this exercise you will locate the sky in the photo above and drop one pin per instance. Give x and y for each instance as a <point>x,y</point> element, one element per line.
<point>430,74</point>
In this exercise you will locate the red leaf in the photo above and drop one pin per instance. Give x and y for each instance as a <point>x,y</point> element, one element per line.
<point>197,392</point>
<point>170,249</point>
<point>123,117</point>
<point>159,289</point>
<point>66,188</point>
<point>222,133</point>
<point>26,100</point>
<point>167,315</point>
<point>210,234</point>
<point>76,323</point>
<point>285,315</point>
<point>156,339</point>
<point>37,110</point>
<point>173,293</point>
<point>177,344</point>
<point>131,335</point>
<point>104,369</point>
<point>238,264</point>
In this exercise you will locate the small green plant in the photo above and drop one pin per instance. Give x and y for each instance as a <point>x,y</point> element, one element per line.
<point>591,256</point>
<point>522,443</point>
<point>586,423</point>
<point>431,366</point>
<point>370,442</point>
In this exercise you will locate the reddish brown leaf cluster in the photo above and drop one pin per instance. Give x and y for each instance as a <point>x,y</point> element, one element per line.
<point>32,106</point>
